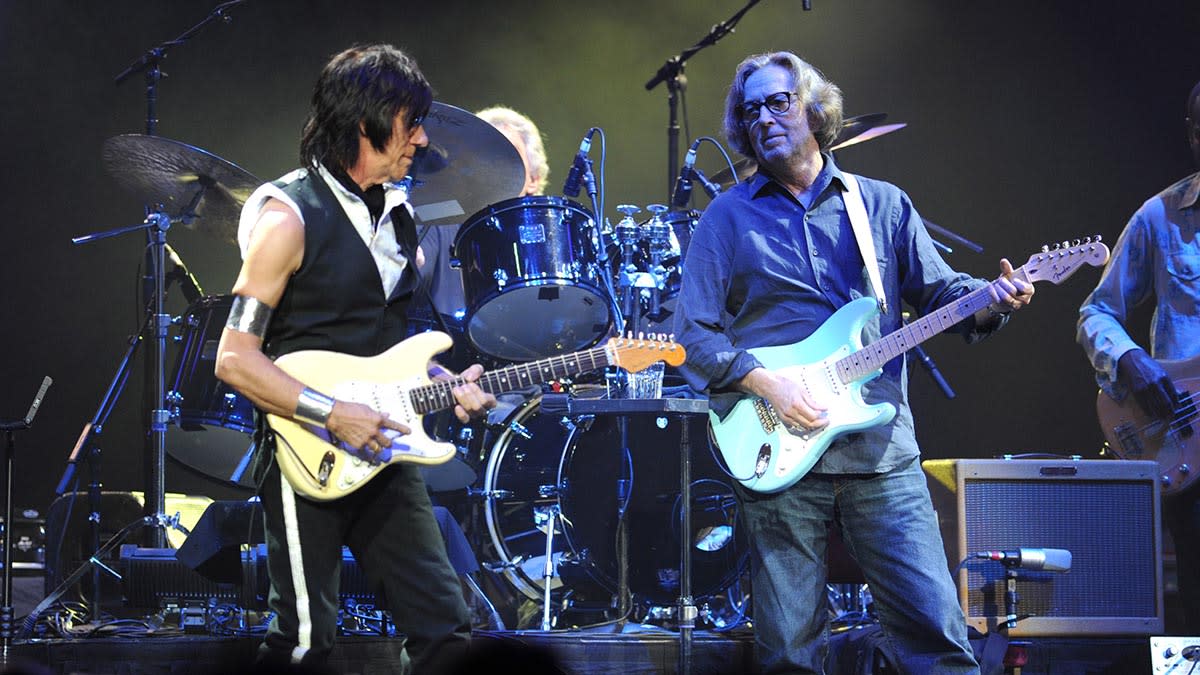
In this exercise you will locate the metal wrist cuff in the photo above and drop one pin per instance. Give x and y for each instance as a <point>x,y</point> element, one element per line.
<point>249,315</point>
<point>313,407</point>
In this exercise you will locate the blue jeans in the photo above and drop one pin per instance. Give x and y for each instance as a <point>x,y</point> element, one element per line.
<point>890,528</point>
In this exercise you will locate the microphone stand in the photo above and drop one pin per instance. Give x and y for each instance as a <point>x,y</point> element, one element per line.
<point>671,72</point>
<point>149,64</point>
<point>930,367</point>
<point>9,428</point>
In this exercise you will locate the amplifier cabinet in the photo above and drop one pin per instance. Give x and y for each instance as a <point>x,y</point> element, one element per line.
<point>1105,512</point>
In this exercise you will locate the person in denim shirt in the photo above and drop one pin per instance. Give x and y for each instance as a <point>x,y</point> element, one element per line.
<point>771,260</point>
<point>1156,257</point>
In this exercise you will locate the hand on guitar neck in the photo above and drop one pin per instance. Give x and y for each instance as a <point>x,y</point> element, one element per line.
<point>1149,384</point>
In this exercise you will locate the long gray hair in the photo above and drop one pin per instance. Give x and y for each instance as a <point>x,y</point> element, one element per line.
<point>822,100</point>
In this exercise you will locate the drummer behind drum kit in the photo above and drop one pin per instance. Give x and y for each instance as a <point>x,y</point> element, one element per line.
<point>535,288</point>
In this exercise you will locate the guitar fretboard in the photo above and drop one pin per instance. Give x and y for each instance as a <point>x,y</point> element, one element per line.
<point>440,395</point>
<point>874,356</point>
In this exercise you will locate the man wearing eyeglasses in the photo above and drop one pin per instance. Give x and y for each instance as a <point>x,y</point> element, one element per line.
<point>328,263</point>
<point>771,259</point>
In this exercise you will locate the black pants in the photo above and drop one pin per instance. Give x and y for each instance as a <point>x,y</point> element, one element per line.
<point>1181,513</point>
<point>390,528</point>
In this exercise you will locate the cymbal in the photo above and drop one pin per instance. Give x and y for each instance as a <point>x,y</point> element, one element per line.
<point>467,165</point>
<point>854,130</point>
<point>868,134</point>
<point>173,174</point>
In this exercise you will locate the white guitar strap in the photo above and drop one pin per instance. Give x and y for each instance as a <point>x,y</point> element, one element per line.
<point>862,232</point>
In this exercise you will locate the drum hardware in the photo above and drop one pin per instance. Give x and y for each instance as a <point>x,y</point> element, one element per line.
<point>207,193</point>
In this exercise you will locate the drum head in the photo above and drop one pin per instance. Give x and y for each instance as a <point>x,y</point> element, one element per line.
<point>596,471</point>
<point>519,489</point>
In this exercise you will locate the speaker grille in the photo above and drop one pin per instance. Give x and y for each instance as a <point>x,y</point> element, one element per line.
<point>1106,525</point>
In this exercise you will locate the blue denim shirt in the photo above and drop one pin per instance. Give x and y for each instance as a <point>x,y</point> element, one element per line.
<point>765,268</point>
<point>1157,255</point>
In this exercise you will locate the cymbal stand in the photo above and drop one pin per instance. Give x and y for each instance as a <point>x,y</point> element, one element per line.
<point>149,64</point>
<point>9,428</point>
<point>158,322</point>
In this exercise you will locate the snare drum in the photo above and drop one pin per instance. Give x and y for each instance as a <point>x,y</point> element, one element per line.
<point>530,279</point>
<point>212,422</point>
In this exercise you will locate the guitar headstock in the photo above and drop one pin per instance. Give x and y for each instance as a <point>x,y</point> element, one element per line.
<point>1058,262</point>
<point>634,354</point>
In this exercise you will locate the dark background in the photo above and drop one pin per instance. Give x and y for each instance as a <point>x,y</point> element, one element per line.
<point>1029,122</point>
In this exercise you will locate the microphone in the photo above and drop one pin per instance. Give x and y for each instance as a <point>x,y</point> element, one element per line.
<point>579,166</point>
<point>710,188</point>
<point>1046,559</point>
<point>683,184</point>
<point>187,283</point>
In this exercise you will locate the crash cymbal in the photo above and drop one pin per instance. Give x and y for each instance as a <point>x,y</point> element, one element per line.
<point>467,165</point>
<point>866,135</point>
<point>854,130</point>
<point>174,174</point>
<point>853,126</point>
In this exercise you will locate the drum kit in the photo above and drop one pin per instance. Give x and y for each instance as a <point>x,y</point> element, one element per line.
<point>536,286</point>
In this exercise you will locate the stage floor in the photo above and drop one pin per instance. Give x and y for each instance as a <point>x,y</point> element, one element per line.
<point>634,651</point>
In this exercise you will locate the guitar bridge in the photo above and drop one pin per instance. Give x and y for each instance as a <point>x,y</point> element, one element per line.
<point>326,468</point>
<point>766,415</point>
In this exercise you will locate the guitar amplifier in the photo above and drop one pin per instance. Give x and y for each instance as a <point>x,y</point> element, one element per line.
<point>1106,513</point>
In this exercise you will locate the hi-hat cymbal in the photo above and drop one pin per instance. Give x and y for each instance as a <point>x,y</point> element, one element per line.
<point>174,174</point>
<point>854,130</point>
<point>468,164</point>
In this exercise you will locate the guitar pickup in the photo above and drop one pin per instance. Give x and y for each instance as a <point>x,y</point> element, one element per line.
<point>1187,411</point>
<point>326,468</point>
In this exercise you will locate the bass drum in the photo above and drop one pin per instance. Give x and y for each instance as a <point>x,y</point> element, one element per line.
<point>540,462</point>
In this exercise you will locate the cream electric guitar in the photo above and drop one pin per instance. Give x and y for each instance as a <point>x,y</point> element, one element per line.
<point>832,364</point>
<point>395,382</point>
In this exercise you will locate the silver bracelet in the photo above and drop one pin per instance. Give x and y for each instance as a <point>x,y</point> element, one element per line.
<point>313,407</point>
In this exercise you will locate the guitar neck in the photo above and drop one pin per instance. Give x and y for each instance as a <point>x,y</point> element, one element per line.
<point>875,355</point>
<point>440,395</point>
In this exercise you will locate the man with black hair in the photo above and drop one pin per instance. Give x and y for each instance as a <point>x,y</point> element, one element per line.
<point>328,263</point>
<point>1157,257</point>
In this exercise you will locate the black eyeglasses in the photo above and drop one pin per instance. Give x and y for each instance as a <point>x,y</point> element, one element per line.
<point>778,103</point>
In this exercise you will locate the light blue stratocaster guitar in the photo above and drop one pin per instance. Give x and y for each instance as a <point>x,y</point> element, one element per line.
<point>832,365</point>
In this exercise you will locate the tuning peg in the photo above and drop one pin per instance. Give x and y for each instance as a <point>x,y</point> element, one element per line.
<point>1045,248</point>
<point>1078,242</point>
<point>1099,238</point>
